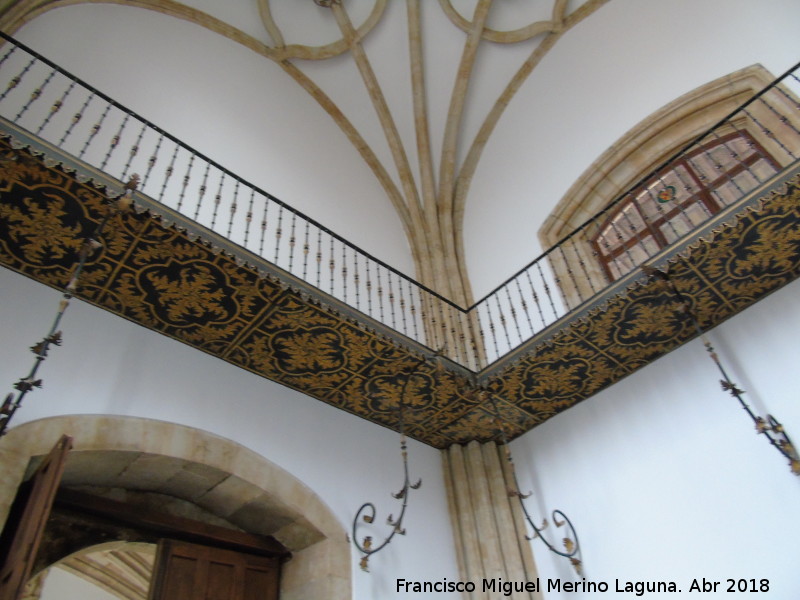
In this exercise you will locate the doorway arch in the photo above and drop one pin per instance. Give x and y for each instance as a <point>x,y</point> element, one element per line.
<point>320,566</point>
<point>121,568</point>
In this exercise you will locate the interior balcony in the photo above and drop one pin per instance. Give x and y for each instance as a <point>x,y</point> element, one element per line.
<point>216,263</point>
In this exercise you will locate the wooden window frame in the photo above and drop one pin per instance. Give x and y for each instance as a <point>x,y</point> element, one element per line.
<point>703,196</point>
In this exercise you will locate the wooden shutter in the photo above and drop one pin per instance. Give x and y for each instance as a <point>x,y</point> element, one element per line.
<point>192,572</point>
<point>27,519</point>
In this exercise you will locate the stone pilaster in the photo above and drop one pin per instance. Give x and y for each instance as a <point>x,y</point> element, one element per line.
<point>488,530</point>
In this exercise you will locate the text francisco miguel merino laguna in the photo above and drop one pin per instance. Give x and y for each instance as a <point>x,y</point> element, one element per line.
<point>499,586</point>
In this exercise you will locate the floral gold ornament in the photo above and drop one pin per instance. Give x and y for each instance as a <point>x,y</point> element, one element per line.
<point>769,426</point>
<point>89,246</point>
<point>259,321</point>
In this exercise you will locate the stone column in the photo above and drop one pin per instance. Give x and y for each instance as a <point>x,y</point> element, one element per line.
<point>488,528</point>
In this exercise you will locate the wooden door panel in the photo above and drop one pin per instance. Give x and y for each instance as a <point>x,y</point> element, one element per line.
<point>192,572</point>
<point>259,584</point>
<point>26,522</point>
<point>222,581</point>
<point>182,576</point>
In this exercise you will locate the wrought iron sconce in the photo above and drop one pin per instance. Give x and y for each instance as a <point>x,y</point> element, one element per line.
<point>769,426</point>
<point>53,338</point>
<point>367,512</point>
<point>570,541</point>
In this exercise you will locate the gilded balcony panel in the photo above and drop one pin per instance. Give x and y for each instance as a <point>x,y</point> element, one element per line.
<point>170,276</point>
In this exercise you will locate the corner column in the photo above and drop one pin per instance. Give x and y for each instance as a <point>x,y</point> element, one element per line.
<point>488,527</point>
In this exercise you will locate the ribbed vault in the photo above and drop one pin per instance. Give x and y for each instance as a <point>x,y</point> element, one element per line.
<point>120,568</point>
<point>428,196</point>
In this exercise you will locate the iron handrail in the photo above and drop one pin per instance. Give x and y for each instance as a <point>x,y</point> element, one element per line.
<point>228,172</point>
<point>639,184</point>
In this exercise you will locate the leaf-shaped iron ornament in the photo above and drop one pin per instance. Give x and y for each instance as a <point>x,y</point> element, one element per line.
<point>367,511</point>
<point>27,384</point>
<point>570,540</point>
<point>769,427</point>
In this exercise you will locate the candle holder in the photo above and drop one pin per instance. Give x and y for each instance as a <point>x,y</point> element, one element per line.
<point>367,512</point>
<point>90,245</point>
<point>768,426</point>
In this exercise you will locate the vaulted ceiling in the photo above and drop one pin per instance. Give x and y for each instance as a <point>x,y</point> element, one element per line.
<point>418,70</point>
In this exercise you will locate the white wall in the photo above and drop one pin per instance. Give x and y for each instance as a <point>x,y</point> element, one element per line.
<point>664,475</point>
<point>604,76</point>
<point>110,366</point>
<point>61,585</point>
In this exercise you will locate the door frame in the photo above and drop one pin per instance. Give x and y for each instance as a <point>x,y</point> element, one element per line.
<point>321,555</point>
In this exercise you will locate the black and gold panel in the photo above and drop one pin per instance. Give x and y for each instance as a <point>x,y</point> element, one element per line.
<point>168,280</point>
<point>172,282</point>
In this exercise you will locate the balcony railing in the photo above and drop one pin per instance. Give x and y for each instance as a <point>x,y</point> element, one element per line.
<point>60,109</point>
<point>668,207</point>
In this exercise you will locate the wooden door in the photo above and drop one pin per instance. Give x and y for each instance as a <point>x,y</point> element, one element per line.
<point>25,526</point>
<point>191,572</point>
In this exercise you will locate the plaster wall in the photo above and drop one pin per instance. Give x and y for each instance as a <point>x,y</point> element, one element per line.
<point>110,366</point>
<point>61,585</point>
<point>664,475</point>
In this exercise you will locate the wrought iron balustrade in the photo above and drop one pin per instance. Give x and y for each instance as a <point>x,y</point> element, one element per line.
<point>63,111</point>
<point>57,107</point>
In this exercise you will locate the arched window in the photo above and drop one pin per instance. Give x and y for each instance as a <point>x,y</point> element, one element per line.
<point>607,223</point>
<point>670,205</point>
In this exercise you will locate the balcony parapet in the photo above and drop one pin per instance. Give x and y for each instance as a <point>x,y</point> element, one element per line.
<point>51,111</point>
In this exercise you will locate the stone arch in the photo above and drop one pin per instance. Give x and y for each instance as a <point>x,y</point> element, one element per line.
<point>320,566</point>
